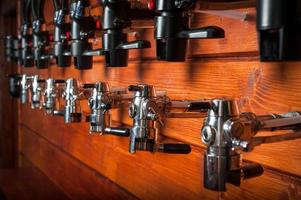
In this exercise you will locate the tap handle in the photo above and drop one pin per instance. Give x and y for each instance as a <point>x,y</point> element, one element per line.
<point>138,44</point>
<point>124,132</point>
<point>59,81</point>
<point>200,106</point>
<point>58,113</point>
<point>252,170</point>
<point>88,85</point>
<point>134,88</point>
<point>203,33</point>
<point>41,81</point>
<point>174,148</point>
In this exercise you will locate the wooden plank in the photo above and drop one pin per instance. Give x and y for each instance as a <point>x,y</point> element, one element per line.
<point>27,184</point>
<point>147,175</point>
<point>268,87</point>
<point>72,176</point>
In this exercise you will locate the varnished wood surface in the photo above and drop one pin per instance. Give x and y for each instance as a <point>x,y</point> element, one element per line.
<point>217,68</point>
<point>28,184</point>
<point>75,178</point>
<point>149,176</point>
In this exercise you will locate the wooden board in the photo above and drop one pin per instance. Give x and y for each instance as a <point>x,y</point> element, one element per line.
<point>147,175</point>
<point>28,183</point>
<point>215,68</point>
<point>76,179</point>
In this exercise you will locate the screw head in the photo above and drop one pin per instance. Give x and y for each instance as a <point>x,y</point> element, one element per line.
<point>208,135</point>
<point>132,111</point>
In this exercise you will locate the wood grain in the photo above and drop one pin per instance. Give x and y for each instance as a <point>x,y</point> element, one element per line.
<point>149,176</point>
<point>72,176</point>
<point>28,184</point>
<point>216,68</point>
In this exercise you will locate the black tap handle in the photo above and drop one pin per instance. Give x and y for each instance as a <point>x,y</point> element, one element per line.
<point>174,148</point>
<point>252,170</point>
<point>138,44</point>
<point>134,88</point>
<point>203,33</point>
<point>124,132</point>
<point>199,106</point>
<point>59,81</point>
<point>89,85</point>
<point>41,81</point>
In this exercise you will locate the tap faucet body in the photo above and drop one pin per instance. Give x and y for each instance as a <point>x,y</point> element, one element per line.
<point>172,30</point>
<point>51,96</point>
<point>147,110</point>
<point>36,92</point>
<point>227,132</point>
<point>61,46</point>
<point>72,95</point>
<point>100,103</point>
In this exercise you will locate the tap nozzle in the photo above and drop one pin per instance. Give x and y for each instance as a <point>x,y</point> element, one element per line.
<point>36,92</point>
<point>146,110</point>
<point>51,96</point>
<point>72,94</point>
<point>100,103</point>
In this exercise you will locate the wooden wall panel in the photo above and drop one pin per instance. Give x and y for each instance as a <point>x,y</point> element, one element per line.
<point>216,68</point>
<point>147,175</point>
<point>76,179</point>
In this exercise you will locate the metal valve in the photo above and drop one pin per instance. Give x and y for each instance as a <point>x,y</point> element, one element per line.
<point>62,29</point>
<point>36,92</point>
<point>40,36</point>
<point>26,53</point>
<point>15,85</point>
<point>146,110</point>
<point>227,132</point>
<point>114,41</point>
<point>172,30</point>
<point>100,103</point>
<point>72,95</point>
<point>25,85</point>
<point>51,96</point>
<point>82,29</point>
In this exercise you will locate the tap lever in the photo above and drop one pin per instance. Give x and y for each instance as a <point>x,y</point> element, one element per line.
<point>251,170</point>
<point>124,132</point>
<point>59,81</point>
<point>200,106</point>
<point>203,33</point>
<point>138,44</point>
<point>174,148</point>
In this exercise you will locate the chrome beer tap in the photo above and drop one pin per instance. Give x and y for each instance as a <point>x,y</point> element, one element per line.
<point>25,85</point>
<point>101,101</point>
<point>147,109</point>
<point>226,132</point>
<point>53,90</point>
<point>36,92</point>
<point>72,95</point>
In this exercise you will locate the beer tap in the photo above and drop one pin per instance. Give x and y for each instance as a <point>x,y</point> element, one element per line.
<point>148,109</point>
<point>102,100</point>
<point>172,30</point>
<point>278,27</point>
<point>25,85</point>
<point>14,82</point>
<point>72,95</point>
<point>11,48</point>
<point>82,29</point>
<point>26,54</point>
<point>52,93</point>
<point>61,46</point>
<point>226,132</point>
<point>115,45</point>
<point>40,35</point>
<point>36,92</point>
